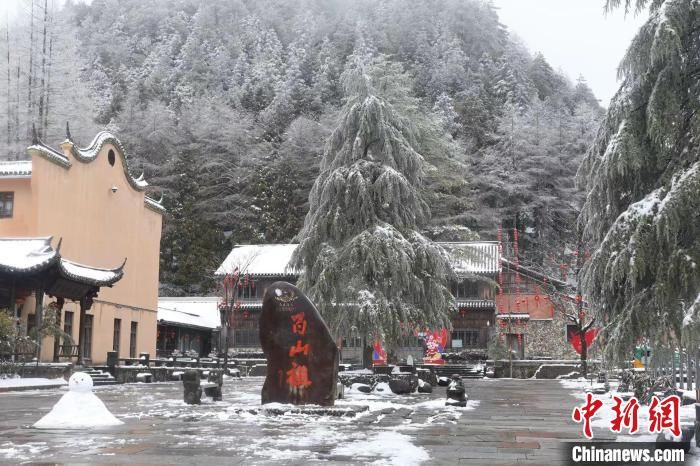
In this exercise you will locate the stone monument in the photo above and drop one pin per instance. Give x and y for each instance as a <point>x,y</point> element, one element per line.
<point>301,354</point>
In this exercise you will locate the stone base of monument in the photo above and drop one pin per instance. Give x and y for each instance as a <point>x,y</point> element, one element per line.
<point>277,409</point>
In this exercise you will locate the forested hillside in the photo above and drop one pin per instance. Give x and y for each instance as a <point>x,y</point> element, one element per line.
<point>227,106</point>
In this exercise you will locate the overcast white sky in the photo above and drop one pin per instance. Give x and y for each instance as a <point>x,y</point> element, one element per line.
<point>574,35</point>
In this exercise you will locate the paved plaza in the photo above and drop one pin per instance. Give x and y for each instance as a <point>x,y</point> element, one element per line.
<point>506,422</point>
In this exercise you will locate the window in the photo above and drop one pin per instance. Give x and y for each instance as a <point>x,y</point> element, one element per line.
<point>116,335</point>
<point>87,337</point>
<point>7,201</point>
<point>465,339</point>
<point>465,289</point>
<point>248,291</point>
<point>110,157</point>
<point>246,337</point>
<point>68,324</point>
<point>132,339</point>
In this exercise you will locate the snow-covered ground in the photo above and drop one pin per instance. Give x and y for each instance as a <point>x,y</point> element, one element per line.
<point>383,431</point>
<point>30,382</point>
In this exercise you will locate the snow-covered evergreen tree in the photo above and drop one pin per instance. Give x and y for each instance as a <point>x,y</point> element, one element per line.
<point>643,181</point>
<point>364,262</point>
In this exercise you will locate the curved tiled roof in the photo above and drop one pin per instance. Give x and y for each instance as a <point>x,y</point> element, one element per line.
<point>90,275</point>
<point>34,255</point>
<point>26,255</point>
<point>89,154</point>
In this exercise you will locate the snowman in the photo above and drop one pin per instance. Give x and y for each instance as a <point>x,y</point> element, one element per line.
<point>79,408</point>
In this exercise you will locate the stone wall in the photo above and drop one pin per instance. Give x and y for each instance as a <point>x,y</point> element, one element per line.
<point>547,338</point>
<point>524,369</point>
<point>47,371</point>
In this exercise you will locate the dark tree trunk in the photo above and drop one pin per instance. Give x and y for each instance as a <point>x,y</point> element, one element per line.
<point>584,352</point>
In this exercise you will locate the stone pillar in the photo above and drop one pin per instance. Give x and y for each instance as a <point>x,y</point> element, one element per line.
<point>57,340</point>
<point>39,316</point>
<point>193,390</point>
<point>81,330</point>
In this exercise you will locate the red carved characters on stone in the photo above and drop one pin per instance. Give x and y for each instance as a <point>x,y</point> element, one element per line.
<point>299,323</point>
<point>298,376</point>
<point>299,348</point>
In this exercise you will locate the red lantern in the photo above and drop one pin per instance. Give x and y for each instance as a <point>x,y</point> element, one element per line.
<point>461,312</point>
<point>238,305</point>
<point>503,323</point>
<point>246,314</point>
<point>520,338</point>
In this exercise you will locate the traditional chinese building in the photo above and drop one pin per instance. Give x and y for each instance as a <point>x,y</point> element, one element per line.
<point>88,199</point>
<point>494,297</point>
<point>187,324</point>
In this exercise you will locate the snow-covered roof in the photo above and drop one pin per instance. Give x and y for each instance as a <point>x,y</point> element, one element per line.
<point>474,256</point>
<point>16,169</point>
<point>26,255</point>
<point>259,259</point>
<point>32,255</point>
<point>478,257</point>
<point>200,312</point>
<point>94,275</point>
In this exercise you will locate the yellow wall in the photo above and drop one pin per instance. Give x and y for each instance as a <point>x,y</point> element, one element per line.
<point>99,228</point>
<point>22,219</point>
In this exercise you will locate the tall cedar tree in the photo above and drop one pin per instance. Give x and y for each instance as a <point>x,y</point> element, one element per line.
<point>643,181</point>
<point>362,257</point>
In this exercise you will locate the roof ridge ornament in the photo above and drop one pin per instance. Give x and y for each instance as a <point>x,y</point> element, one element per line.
<point>35,138</point>
<point>58,246</point>
<point>68,136</point>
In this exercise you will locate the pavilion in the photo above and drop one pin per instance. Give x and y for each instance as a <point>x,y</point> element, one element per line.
<point>32,266</point>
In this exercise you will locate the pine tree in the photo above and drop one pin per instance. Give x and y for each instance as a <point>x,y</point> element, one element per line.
<point>364,262</point>
<point>190,246</point>
<point>643,181</point>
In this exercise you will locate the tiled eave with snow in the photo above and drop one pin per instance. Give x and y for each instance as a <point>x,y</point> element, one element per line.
<point>30,256</point>
<point>514,316</point>
<point>84,155</point>
<point>16,169</point>
<point>473,257</point>
<point>476,304</point>
<point>195,313</point>
<point>273,260</point>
